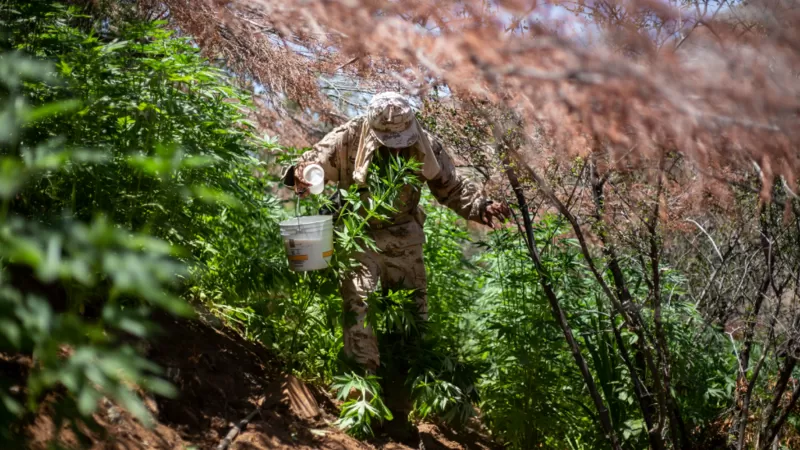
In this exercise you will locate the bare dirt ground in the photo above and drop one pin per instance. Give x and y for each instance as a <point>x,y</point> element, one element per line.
<point>221,379</point>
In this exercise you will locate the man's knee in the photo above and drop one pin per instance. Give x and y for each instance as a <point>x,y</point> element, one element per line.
<point>361,344</point>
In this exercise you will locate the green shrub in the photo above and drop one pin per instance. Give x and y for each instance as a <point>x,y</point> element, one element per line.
<point>128,179</point>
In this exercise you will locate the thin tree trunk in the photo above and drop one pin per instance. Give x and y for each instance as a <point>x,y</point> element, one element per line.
<point>757,371</point>
<point>785,373</point>
<point>645,400</point>
<point>631,317</point>
<point>746,399</point>
<point>558,312</point>
<point>773,432</point>
<point>679,434</point>
<point>742,401</point>
<point>780,388</point>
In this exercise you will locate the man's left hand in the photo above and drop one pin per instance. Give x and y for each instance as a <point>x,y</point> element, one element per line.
<point>495,214</point>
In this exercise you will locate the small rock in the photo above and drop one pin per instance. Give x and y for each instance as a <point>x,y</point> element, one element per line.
<point>114,414</point>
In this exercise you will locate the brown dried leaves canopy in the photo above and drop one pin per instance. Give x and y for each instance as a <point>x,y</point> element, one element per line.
<point>717,82</point>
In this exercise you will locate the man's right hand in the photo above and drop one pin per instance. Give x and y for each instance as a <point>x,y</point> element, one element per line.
<point>495,214</point>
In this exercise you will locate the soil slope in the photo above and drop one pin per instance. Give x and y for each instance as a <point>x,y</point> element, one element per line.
<point>221,379</point>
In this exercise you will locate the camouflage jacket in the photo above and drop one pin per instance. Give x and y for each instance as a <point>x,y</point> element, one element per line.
<point>336,153</point>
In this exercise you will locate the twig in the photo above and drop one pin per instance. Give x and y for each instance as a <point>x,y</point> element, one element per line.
<point>347,63</point>
<point>714,244</point>
<point>699,22</point>
<point>237,428</point>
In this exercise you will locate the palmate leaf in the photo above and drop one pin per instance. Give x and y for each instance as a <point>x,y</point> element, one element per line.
<point>49,110</point>
<point>358,413</point>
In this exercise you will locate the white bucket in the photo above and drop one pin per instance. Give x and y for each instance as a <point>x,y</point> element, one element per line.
<point>308,241</point>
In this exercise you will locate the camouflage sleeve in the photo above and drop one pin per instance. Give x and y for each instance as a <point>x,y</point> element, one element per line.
<point>328,152</point>
<point>451,189</point>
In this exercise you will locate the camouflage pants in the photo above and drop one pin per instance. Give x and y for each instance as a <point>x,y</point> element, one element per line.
<point>396,269</point>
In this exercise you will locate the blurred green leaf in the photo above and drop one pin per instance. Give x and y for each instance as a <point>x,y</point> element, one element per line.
<point>48,110</point>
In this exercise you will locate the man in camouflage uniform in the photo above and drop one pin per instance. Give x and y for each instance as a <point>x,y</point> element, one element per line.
<point>390,127</point>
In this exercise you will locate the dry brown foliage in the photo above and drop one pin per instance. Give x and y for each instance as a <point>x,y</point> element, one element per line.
<point>717,82</point>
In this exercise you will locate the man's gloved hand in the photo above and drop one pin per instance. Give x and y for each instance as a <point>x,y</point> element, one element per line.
<point>495,214</point>
<point>300,185</point>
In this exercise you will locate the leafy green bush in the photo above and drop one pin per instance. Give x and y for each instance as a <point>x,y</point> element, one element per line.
<point>493,324</point>
<point>53,268</point>
<point>181,153</point>
<point>127,179</point>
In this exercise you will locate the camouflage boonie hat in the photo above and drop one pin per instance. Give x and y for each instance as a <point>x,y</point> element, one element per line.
<point>391,120</point>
